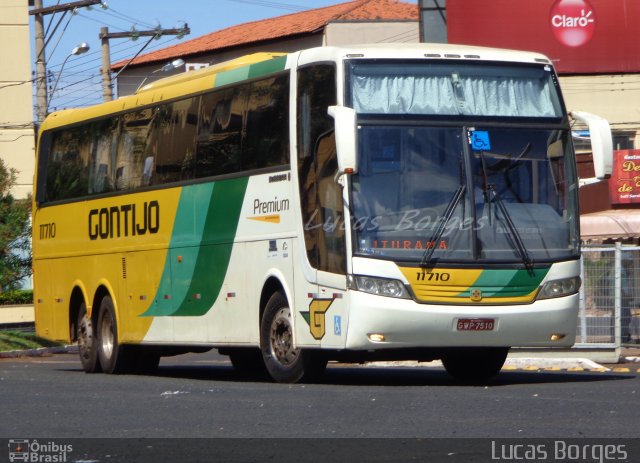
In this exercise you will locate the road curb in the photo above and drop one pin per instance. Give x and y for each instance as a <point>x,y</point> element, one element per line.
<point>40,352</point>
<point>532,364</point>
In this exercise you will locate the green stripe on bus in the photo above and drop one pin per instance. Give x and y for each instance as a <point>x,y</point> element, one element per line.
<point>507,283</point>
<point>267,67</point>
<point>231,77</point>
<point>252,71</point>
<point>194,279</point>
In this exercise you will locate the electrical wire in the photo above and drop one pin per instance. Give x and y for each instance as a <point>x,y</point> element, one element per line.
<point>46,32</point>
<point>61,34</point>
<point>118,15</point>
<point>102,23</point>
<point>269,4</point>
<point>85,68</point>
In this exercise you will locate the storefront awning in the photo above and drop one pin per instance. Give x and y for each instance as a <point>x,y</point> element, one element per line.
<point>610,224</point>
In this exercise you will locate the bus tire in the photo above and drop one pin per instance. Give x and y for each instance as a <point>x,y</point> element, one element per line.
<point>87,342</point>
<point>113,357</point>
<point>475,364</point>
<point>284,363</point>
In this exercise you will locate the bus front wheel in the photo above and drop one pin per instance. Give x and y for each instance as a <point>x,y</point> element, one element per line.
<point>113,358</point>
<point>475,364</point>
<point>87,342</point>
<point>284,362</point>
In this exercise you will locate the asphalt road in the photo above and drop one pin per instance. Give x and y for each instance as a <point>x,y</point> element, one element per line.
<point>202,396</point>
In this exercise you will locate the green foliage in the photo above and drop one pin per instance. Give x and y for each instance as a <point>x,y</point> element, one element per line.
<point>15,233</point>
<point>21,296</point>
<point>16,340</point>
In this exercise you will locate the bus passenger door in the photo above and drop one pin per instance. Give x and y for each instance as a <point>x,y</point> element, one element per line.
<point>322,305</point>
<point>331,249</point>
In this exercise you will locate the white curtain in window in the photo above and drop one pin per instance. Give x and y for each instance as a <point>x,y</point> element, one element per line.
<point>444,95</point>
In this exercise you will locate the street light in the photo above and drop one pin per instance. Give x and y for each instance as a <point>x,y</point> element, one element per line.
<point>175,64</point>
<point>79,50</point>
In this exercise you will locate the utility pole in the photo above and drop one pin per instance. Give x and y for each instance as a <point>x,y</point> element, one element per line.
<point>107,93</point>
<point>433,21</point>
<point>41,63</point>
<point>105,35</point>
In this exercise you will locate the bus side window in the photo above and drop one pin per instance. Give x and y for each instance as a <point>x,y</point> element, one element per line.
<point>127,170</point>
<point>220,133</point>
<point>320,196</point>
<point>103,155</point>
<point>265,141</point>
<point>174,129</point>
<point>68,166</point>
<point>331,236</point>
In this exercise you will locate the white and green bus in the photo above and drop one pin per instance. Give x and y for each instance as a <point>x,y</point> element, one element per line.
<point>406,202</point>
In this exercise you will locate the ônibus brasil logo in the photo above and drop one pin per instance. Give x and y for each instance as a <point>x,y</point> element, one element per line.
<point>32,451</point>
<point>573,22</point>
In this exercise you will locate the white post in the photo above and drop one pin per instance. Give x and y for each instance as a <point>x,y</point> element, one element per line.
<point>618,295</point>
<point>583,304</point>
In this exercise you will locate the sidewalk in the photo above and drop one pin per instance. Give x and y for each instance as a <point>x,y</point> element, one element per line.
<point>16,314</point>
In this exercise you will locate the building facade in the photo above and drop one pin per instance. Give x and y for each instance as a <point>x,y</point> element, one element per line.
<point>17,139</point>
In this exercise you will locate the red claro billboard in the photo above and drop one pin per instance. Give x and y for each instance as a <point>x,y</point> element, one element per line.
<point>579,36</point>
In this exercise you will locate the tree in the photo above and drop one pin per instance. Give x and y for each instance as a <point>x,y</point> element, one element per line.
<point>15,233</point>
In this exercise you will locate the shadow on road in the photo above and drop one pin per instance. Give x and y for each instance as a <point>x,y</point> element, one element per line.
<point>388,376</point>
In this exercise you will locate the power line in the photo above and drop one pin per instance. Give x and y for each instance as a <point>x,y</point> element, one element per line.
<point>269,4</point>
<point>102,23</point>
<point>125,17</point>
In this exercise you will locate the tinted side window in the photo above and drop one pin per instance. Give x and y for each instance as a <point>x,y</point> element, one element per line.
<point>103,155</point>
<point>68,166</point>
<point>174,131</point>
<point>130,171</point>
<point>224,132</point>
<point>220,134</point>
<point>266,141</point>
<point>316,92</point>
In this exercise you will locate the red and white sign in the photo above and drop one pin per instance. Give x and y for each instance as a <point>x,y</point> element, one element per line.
<point>579,36</point>
<point>624,184</point>
<point>572,22</point>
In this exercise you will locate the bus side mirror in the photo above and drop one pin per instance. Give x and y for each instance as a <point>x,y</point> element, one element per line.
<point>601,145</point>
<point>345,124</point>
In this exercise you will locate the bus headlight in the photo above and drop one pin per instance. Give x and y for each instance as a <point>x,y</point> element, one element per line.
<point>559,288</point>
<point>378,286</point>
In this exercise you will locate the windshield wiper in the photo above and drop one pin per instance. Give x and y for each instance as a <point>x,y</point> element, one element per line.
<point>444,220</point>
<point>492,195</point>
<point>528,262</point>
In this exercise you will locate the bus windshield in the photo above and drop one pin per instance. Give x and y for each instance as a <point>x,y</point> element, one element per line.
<point>462,162</point>
<point>512,188</point>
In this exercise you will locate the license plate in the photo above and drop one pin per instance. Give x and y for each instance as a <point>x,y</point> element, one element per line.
<point>476,324</point>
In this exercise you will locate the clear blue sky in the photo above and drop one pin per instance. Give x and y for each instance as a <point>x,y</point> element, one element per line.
<point>79,82</point>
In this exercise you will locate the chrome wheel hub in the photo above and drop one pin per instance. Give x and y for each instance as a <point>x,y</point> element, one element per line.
<point>281,338</point>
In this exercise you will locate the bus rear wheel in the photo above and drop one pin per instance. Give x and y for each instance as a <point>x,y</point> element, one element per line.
<point>475,364</point>
<point>284,362</point>
<point>113,357</point>
<point>87,341</point>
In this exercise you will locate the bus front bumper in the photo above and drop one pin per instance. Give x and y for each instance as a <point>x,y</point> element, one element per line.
<point>377,322</point>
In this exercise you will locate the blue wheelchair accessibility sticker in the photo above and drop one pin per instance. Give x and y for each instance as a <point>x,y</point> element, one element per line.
<point>337,325</point>
<point>480,140</point>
